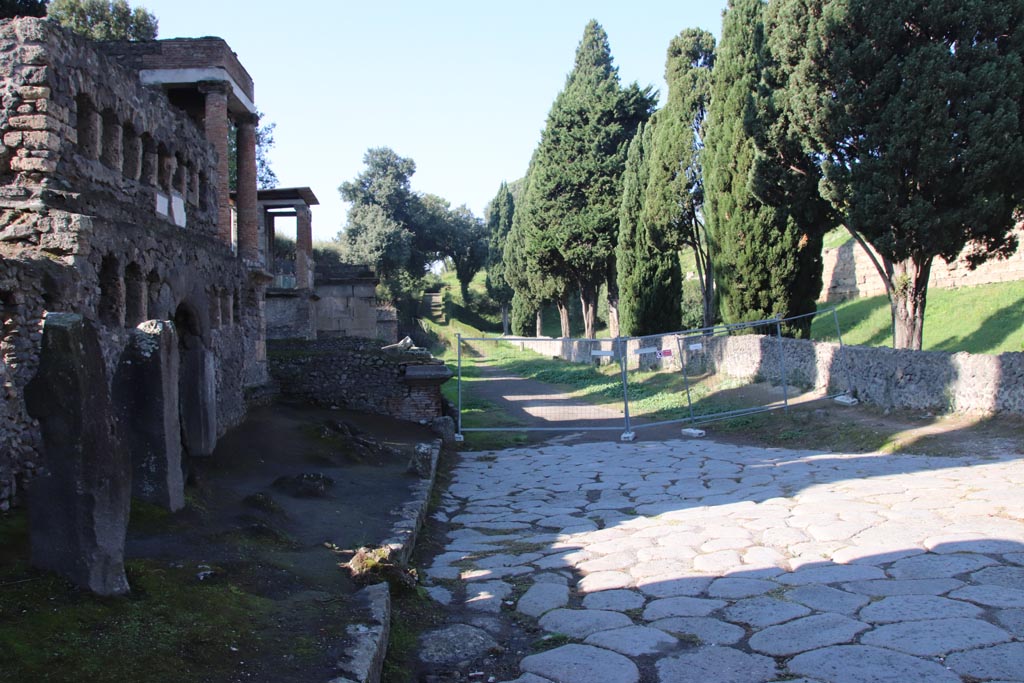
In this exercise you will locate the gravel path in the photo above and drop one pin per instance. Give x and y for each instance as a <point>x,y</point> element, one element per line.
<point>697,561</point>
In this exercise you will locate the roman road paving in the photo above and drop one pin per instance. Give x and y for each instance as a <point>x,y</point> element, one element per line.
<point>697,561</point>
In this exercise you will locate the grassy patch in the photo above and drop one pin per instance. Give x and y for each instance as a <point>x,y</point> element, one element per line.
<point>982,319</point>
<point>172,627</point>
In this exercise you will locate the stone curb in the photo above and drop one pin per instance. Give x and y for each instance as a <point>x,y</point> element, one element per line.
<point>369,641</point>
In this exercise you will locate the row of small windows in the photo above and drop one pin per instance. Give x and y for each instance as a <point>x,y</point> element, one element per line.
<point>128,298</point>
<point>101,136</point>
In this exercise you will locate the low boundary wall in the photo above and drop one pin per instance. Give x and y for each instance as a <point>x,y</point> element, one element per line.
<point>889,378</point>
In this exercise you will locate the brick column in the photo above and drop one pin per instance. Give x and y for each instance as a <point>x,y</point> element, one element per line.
<point>303,247</point>
<point>215,120</point>
<point>245,196</point>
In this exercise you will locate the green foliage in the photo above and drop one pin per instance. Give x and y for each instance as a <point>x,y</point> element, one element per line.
<point>674,195</point>
<point>648,277</point>
<point>571,201</point>
<point>22,8</point>
<point>915,109</point>
<point>499,223</point>
<point>461,237</point>
<point>767,260</point>
<point>104,19</point>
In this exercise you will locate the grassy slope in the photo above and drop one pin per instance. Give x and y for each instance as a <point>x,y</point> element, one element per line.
<point>983,319</point>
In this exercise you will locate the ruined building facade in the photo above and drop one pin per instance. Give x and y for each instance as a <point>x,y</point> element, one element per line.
<point>114,208</point>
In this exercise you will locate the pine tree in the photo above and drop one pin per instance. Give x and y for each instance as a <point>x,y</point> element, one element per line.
<point>649,278</point>
<point>572,198</point>
<point>674,196</point>
<point>767,264</point>
<point>915,109</point>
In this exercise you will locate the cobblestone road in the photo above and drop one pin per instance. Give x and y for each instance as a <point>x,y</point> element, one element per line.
<point>697,561</point>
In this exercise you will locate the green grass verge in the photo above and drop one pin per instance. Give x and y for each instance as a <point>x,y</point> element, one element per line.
<point>982,319</point>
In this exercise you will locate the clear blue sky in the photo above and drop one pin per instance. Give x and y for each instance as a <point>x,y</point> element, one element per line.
<point>460,86</point>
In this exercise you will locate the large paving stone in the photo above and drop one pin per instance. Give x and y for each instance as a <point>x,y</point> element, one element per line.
<point>991,596</point>
<point>935,636</point>
<point>1012,620</point>
<point>863,664</point>
<point>807,633</point>
<point>454,644</point>
<point>938,566</point>
<point>672,586</point>
<point>711,664</point>
<point>604,581</point>
<point>581,664</point>
<point>706,629</point>
<point>634,641</point>
<point>1008,577</point>
<point>916,607</point>
<point>486,596</point>
<point>827,599</point>
<point>834,573</point>
<point>740,588</point>
<point>882,588</point>
<point>543,597</point>
<point>580,623</point>
<point>1002,661</point>
<point>762,612</point>
<point>681,607</point>
<point>617,601</point>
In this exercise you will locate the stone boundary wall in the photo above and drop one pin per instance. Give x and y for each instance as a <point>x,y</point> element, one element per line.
<point>848,272</point>
<point>889,378</point>
<point>354,373</point>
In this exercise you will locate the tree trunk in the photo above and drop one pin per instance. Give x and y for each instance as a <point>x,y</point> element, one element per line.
<point>539,328</point>
<point>563,316</point>
<point>504,319</point>
<point>705,273</point>
<point>907,301</point>
<point>613,317</point>
<point>588,300</point>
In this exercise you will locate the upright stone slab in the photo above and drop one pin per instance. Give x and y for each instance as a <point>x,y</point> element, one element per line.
<point>146,396</point>
<point>78,504</point>
<point>198,398</point>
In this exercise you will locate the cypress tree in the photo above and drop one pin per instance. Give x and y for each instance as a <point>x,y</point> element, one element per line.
<point>674,196</point>
<point>766,263</point>
<point>499,223</point>
<point>648,277</point>
<point>915,109</point>
<point>572,198</point>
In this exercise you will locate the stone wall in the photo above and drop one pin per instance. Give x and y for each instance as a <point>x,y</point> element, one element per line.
<point>354,373</point>
<point>849,273</point>
<point>108,210</point>
<point>889,378</point>
<point>291,314</point>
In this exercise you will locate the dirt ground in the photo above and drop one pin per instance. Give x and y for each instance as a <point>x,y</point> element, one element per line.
<point>242,585</point>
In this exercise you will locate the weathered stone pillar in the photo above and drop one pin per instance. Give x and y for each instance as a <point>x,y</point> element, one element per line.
<point>245,194</point>
<point>90,130</point>
<point>79,502</point>
<point>197,397</point>
<point>146,397</point>
<point>303,247</point>
<point>215,119</point>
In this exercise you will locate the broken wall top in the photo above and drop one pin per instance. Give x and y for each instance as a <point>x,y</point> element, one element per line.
<point>81,134</point>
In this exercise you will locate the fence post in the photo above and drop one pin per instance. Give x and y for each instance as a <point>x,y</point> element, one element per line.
<point>782,365</point>
<point>627,434</point>
<point>842,350</point>
<point>683,362</point>
<point>458,341</point>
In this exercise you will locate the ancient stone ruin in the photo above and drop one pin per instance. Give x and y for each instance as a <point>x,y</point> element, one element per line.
<point>131,283</point>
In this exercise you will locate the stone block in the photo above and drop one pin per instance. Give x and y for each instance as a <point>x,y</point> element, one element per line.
<point>197,399</point>
<point>146,398</point>
<point>79,503</point>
